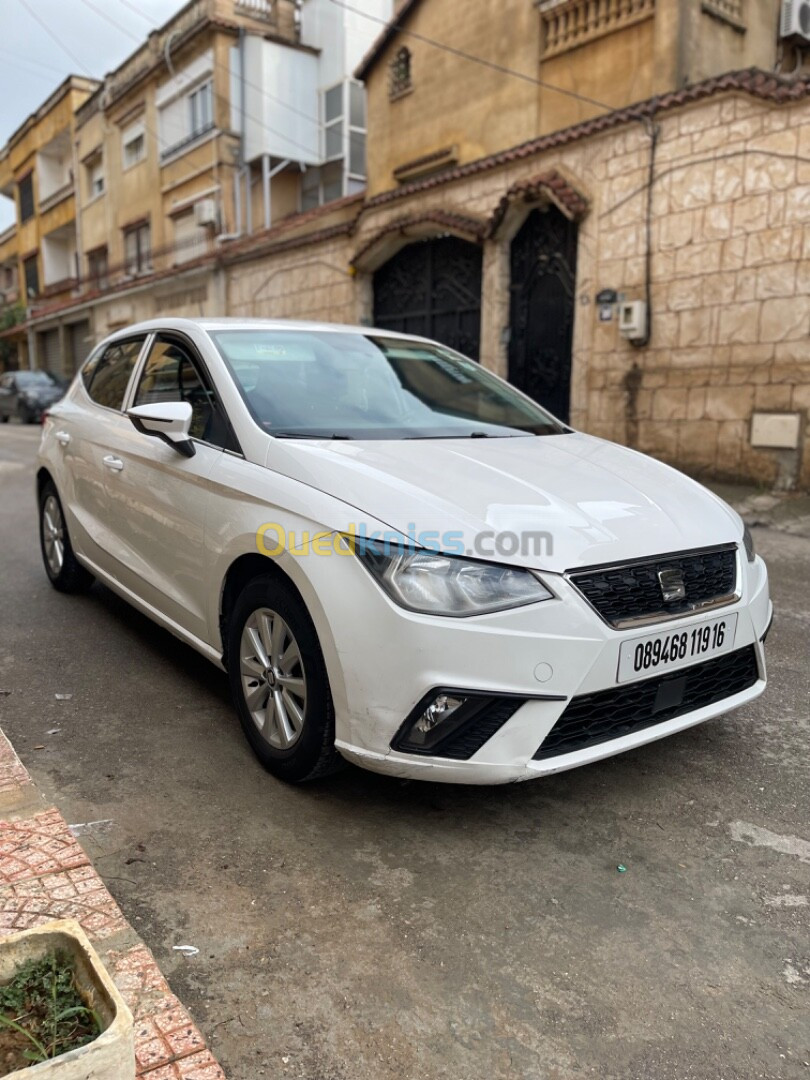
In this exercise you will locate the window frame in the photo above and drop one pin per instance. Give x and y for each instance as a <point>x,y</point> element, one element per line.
<point>26,262</point>
<point>178,338</point>
<point>203,92</point>
<point>129,136</point>
<point>27,180</point>
<point>399,86</point>
<point>100,281</point>
<point>136,230</point>
<point>97,354</point>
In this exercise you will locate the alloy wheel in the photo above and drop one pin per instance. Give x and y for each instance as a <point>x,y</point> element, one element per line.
<point>273,678</point>
<point>53,535</point>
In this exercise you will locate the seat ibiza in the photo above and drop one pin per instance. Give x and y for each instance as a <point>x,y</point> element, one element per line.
<point>398,558</point>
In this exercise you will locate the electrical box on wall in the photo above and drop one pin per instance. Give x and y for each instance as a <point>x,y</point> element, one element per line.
<point>633,320</point>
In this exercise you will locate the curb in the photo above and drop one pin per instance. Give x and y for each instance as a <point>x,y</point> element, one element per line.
<point>46,874</point>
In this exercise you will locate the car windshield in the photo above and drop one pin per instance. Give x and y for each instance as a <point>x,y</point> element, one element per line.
<point>333,385</point>
<point>26,379</point>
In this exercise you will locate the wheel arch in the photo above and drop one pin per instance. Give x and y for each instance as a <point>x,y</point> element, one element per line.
<point>250,565</point>
<point>43,476</point>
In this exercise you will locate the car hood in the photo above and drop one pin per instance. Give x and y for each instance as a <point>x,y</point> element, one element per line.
<point>596,502</point>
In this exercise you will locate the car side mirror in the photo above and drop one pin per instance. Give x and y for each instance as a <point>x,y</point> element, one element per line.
<point>167,420</point>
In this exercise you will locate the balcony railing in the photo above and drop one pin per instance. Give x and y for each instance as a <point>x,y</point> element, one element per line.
<point>571,23</point>
<point>259,9</point>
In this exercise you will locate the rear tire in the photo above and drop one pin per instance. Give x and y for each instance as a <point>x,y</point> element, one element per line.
<point>4,418</point>
<point>279,683</point>
<point>25,414</point>
<point>64,571</point>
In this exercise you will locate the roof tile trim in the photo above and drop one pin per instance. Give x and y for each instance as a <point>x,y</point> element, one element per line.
<point>552,183</point>
<point>753,81</point>
<point>471,227</point>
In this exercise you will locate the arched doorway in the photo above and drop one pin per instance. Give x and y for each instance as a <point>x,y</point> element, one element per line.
<point>433,288</point>
<point>543,269</point>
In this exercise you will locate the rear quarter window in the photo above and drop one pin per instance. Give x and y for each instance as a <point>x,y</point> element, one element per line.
<point>106,374</point>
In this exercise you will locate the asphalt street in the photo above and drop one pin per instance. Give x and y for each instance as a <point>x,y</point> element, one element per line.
<point>371,929</point>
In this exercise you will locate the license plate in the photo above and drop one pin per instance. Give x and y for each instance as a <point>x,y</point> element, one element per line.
<point>672,649</point>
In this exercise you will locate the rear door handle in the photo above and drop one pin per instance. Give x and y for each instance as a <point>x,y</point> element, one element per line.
<point>114,463</point>
<point>62,437</point>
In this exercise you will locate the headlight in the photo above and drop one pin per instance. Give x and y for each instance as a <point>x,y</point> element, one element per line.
<point>436,584</point>
<point>748,541</point>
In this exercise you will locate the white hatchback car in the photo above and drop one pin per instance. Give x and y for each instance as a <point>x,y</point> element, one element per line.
<point>398,558</point>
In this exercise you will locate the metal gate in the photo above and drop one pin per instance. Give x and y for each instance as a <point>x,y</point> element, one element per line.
<point>543,265</point>
<point>433,288</point>
<point>80,344</point>
<point>50,352</point>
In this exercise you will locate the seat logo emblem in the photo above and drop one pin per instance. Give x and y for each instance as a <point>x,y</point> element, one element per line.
<point>672,585</point>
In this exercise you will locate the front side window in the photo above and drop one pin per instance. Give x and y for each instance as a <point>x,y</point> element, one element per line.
<point>138,248</point>
<point>171,374</point>
<point>107,373</point>
<point>311,384</point>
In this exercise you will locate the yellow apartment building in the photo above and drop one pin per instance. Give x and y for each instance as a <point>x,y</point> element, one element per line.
<point>39,255</point>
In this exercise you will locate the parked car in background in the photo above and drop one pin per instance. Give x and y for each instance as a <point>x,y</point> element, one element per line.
<point>347,521</point>
<point>27,394</point>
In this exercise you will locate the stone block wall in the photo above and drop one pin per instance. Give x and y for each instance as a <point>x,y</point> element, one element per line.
<point>730,276</point>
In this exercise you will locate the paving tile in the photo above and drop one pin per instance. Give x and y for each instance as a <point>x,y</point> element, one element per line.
<point>164,1031</point>
<point>72,894</point>
<point>13,773</point>
<point>38,845</point>
<point>137,976</point>
<point>201,1066</point>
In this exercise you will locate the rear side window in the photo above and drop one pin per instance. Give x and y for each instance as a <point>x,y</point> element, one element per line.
<point>106,374</point>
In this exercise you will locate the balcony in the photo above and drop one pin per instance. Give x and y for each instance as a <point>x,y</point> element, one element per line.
<point>567,24</point>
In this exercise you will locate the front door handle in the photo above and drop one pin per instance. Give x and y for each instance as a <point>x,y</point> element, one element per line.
<point>62,437</point>
<point>114,463</point>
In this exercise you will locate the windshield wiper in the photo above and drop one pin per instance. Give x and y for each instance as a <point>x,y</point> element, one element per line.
<point>304,435</point>
<point>471,435</point>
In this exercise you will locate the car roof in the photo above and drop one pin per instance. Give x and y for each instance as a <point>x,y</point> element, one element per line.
<point>209,324</point>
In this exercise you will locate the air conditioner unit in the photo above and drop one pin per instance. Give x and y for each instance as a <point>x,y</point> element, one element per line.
<point>633,320</point>
<point>205,212</point>
<point>795,20</point>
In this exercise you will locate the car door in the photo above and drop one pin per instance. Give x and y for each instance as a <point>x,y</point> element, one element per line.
<point>82,426</point>
<point>157,497</point>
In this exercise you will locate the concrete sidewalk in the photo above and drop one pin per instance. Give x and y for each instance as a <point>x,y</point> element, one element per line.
<point>45,874</point>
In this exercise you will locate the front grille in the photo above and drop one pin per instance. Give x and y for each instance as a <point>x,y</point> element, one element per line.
<point>595,718</point>
<point>625,595</point>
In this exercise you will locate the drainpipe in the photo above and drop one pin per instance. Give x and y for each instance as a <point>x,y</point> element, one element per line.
<point>77,202</point>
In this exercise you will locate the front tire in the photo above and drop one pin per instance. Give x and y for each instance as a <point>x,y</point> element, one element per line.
<point>279,683</point>
<point>64,571</point>
<point>25,414</point>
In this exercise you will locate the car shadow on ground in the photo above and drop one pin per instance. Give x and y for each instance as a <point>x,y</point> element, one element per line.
<point>638,780</point>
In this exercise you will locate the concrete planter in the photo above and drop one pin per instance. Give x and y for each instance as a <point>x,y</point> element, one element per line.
<point>112,1055</point>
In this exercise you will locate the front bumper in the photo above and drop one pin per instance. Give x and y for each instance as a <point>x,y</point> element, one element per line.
<point>394,658</point>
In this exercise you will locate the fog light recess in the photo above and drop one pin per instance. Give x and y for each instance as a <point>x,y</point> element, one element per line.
<point>455,723</point>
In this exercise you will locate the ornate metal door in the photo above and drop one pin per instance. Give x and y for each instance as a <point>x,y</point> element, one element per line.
<point>433,288</point>
<point>543,264</point>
